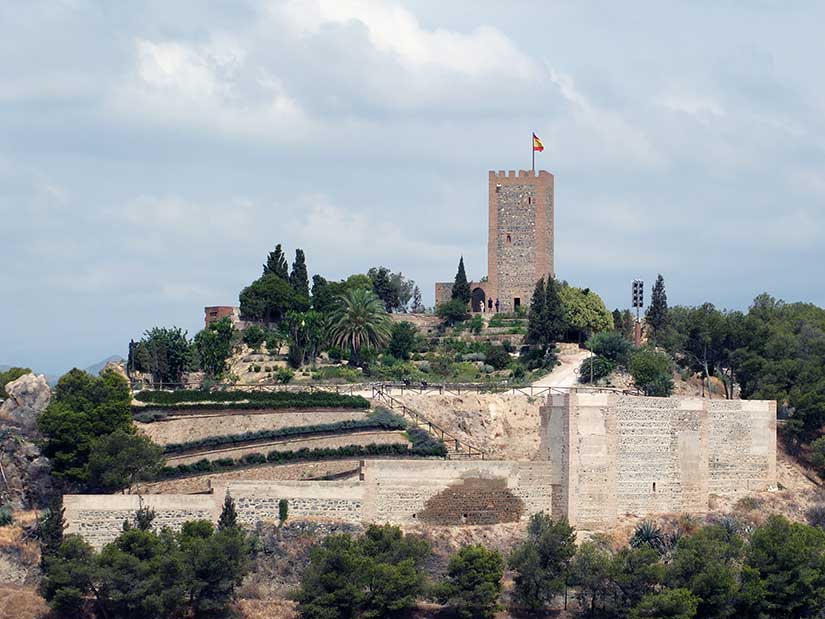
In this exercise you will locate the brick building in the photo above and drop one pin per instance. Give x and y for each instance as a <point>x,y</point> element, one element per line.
<point>520,231</point>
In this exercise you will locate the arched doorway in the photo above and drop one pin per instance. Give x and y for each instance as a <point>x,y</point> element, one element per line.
<point>478,299</point>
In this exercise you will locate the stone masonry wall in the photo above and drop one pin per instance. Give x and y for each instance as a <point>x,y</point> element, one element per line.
<point>438,492</point>
<point>520,235</point>
<point>99,518</point>
<point>742,446</point>
<point>613,454</point>
<point>409,491</point>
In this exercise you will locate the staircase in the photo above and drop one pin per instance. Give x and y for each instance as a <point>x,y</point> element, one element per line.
<point>457,449</point>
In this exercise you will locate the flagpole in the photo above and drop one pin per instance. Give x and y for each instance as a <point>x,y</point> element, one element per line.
<point>533,150</point>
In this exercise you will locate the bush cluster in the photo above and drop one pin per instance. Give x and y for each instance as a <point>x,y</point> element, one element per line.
<point>280,457</point>
<point>380,419</point>
<point>320,398</point>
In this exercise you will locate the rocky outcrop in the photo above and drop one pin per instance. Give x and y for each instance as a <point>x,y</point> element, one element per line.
<point>24,472</point>
<point>28,396</point>
<point>116,366</point>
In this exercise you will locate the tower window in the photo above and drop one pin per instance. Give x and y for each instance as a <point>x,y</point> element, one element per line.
<point>529,200</point>
<point>509,239</point>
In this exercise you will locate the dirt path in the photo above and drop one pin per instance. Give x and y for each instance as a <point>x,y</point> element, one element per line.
<point>564,375</point>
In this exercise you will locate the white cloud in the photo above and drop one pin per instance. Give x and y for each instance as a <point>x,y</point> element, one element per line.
<point>699,106</point>
<point>393,29</point>
<point>210,85</point>
<point>587,132</point>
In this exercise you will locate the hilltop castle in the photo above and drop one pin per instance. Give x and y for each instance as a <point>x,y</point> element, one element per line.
<point>521,221</point>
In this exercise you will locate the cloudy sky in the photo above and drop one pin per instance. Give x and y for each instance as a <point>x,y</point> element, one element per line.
<point>152,153</point>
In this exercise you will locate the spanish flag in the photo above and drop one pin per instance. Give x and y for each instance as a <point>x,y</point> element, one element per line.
<point>537,145</point>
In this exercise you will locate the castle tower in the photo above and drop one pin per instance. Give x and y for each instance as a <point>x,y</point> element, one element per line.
<point>520,235</point>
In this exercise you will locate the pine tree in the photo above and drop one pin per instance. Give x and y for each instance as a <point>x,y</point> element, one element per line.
<point>299,277</point>
<point>276,264</point>
<point>656,315</point>
<point>229,515</point>
<point>461,287</point>
<point>535,317</point>
<point>554,324</point>
<point>417,305</point>
<point>617,320</point>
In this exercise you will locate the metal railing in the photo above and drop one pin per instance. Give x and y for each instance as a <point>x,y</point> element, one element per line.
<point>458,446</point>
<point>402,387</point>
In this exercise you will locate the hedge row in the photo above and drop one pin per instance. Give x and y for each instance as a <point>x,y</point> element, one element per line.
<point>283,400</point>
<point>379,419</point>
<point>203,395</point>
<point>279,457</point>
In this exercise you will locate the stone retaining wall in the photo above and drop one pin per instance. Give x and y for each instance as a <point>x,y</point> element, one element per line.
<point>612,454</point>
<point>436,492</point>
<point>198,427</point>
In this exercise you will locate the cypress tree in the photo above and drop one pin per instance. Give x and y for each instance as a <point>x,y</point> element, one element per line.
<point>51,529</point>
<point>657,314</point>
<point>554,323</point>
<point>617,320</point>
<point>276,264</point>
<point>535,317</point>
<point>461,287</point>
<point>299,278</point>
<point>229,515</point>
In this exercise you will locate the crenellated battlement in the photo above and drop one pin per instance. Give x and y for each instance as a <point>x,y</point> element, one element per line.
<point>501,175</point>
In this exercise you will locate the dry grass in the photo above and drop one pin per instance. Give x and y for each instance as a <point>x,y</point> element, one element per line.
<point>15,541</point>
<point>267,609</point>
<point>21,603</point>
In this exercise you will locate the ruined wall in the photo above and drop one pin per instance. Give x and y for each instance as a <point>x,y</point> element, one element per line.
<point>438,492</point>
<point>613,454</point>
<point>520,234</point>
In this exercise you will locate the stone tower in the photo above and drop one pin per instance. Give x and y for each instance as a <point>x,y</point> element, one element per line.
<point>520,236</point>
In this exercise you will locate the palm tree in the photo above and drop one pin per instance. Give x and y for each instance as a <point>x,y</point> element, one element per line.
<point>359,321</point>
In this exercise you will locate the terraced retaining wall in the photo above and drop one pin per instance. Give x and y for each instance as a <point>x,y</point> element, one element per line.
<point>437,492</point>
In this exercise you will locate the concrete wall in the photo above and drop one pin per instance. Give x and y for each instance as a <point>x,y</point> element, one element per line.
<point>612,454</point>
<point>438,492</point>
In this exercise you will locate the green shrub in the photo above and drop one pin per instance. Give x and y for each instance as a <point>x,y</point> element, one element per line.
<point>254,336</point>
<point>248,400</point>
<point>652,372</point>
<point>424,444</point>
<point>341,373</point>
<point>283,510</point>
<point>476,324</point>
<point>284,375</point>
<point>611,345</point>
<point>601,369</point>
<point>817,455</point>
<point>497,357</point>
<point>6,517</point>
<point>453,312</point>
